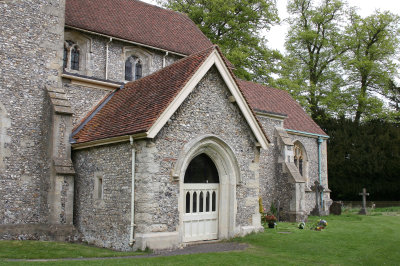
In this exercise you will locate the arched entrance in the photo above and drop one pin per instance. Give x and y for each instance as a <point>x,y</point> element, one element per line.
<point>200,190</point>
<point>207,159</point>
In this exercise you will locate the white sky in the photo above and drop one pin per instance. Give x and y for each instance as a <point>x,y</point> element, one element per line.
<point>276,36</point>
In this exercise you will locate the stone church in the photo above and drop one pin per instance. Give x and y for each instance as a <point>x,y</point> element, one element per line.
<point>122,125</point>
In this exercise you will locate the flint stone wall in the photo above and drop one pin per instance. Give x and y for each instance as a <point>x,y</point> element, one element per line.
<point>31,39</point>
<point>103,222</point>
<point>207,110</point>
<point>84,98</point>
<point>274,182</point>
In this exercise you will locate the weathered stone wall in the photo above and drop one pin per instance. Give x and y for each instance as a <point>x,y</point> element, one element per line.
<point>96,49</point>
<point>206,111</point>
<point>274,182</point>
<point>31,37</point>
<point>103,222</point>
<point>84,98</point>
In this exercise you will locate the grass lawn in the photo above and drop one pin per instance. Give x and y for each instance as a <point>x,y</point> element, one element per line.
<point>348,239</point>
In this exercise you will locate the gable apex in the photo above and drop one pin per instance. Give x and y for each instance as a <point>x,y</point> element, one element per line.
<point>163,92</point>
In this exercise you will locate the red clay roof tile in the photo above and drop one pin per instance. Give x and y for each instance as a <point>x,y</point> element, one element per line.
<point>136,107</point>
<point>138,22</point>
<point>278,101</point>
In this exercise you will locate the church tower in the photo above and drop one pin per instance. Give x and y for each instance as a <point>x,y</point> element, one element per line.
<point>36,177</point>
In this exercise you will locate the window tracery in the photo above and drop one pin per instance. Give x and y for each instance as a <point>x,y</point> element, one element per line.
<point>299,158</point>
<point>133,68</point>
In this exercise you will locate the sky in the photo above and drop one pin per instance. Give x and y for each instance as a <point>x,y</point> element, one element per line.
<point>276,36</point>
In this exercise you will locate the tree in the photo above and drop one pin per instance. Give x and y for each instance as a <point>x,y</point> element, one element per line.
<point>235,26</point>
<point>314,46</point>
<point>369,63</point>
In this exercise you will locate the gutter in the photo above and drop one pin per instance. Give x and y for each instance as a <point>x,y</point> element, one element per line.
<point>132,234</point>
<point>107,44</point>
<point>297,132</point>
<point>320,140</point>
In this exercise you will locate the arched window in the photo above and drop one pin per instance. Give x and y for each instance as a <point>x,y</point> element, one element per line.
<point>71,57</point>
<point>299,158</point>
<point>75,57</point>
<point>65,56</point>
<point>138,70</point>
<point>133,68</point>
<point>201,170</point>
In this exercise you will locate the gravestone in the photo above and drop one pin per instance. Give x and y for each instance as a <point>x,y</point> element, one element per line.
<point>317,188</point>
<point>364,195</point>
<point>336,208</point>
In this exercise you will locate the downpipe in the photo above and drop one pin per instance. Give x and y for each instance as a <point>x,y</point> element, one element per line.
<point>132,234</point>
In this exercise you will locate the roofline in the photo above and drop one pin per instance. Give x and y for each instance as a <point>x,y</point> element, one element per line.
<point>270,114</point>
<point>124,40</point>
<point>101,142</point>
<point>106,84</point>
<point>306,134</point>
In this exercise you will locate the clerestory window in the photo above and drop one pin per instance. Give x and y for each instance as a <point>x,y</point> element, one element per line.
<point>71,57</point>
<point>133,68</point>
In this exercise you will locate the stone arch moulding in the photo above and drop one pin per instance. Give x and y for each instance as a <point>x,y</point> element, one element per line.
<point>305,166</point>
<point>145,57</point>
<point>229,176</point>
<point>84,43</point>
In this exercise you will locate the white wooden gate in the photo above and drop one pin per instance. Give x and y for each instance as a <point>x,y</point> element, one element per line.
<point>200,218</point>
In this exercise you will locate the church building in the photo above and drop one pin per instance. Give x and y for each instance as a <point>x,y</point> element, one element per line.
<point>122,125</point>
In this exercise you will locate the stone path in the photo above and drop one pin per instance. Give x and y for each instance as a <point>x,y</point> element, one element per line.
<point>190,249</point>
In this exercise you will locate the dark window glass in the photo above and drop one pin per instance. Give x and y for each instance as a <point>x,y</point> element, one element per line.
<point>128,69</point>
<point>65,57</point>
<point>208,201</point>
<point>201,202</point>
<point>301,166</point>
<point>75,58</point>
<point>201,170</point>
<point>214,200</point>
<point>138,71</point>
<point>195,202</point>
<point>187,202</point>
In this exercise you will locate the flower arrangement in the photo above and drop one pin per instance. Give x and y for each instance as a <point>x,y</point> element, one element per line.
<point>270,218</point>
<point>321,224</point>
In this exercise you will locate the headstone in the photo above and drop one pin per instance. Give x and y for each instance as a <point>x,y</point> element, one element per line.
<point>364,195</point>
<point>317,188</point>
<point>336,208</point>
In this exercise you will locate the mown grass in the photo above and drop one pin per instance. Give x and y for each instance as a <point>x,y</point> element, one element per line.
<point>50,250</point>
<point>349,239</point>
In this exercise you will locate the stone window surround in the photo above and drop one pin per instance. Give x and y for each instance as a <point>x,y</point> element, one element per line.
<point>98,189</point>
<point>5,123</point>
<point>298,144</point>
<point>143,56</point>
<point>84,45</point>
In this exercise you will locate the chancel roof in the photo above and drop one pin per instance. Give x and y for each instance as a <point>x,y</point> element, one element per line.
<point>138,22</point>
<point>277,101</point>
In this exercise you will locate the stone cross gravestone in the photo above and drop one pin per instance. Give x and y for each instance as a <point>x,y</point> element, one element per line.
<point>364,195</point>
<point>318,189</point>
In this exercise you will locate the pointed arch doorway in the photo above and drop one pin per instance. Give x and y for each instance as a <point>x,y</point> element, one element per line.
<point>201,190</point>
<point>211,160</point>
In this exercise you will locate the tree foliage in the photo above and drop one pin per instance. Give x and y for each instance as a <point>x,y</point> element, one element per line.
<point>235,26</point>
<point>314,47</point>
<point>372,44</point>
<point>365,154</point>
